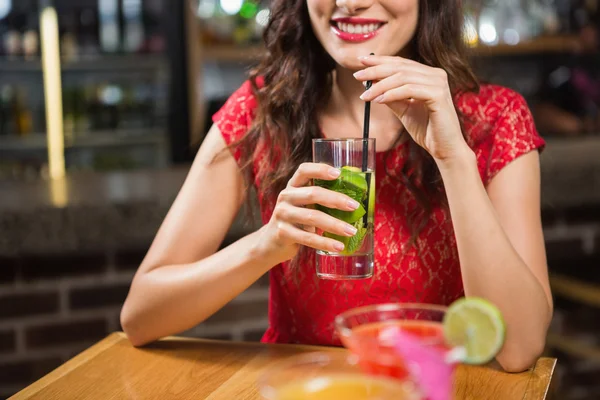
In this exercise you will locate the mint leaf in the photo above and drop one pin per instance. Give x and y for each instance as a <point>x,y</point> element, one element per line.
<point>356,241</point>
<point>327,184</point>
<point>352,193</point>
<point>351,244</point>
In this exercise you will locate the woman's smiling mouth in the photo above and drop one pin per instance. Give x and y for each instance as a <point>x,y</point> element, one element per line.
<point>356,29</point>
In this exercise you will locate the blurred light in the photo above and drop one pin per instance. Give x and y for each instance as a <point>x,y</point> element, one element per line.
<point>52,92</point>
<point>560,76</point>
<point>5,6</point>
<point>231,7</point>
<point>59,192</point>
<point>207,8</point>
<point>511,37</point>
<point>111,95</point>
<point>262,18</point>
<point>487,33</point>
<point>249,10</point>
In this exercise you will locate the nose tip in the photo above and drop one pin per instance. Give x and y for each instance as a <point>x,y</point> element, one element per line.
<point>353,6</point>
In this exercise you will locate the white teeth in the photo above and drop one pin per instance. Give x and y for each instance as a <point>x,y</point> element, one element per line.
<point>351,28</point>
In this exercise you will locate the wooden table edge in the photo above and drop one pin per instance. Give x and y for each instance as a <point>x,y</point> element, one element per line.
<point>70,365</point>
<point>545,366</point>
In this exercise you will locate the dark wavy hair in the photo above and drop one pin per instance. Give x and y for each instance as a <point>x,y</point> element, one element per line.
<point>294,80</point>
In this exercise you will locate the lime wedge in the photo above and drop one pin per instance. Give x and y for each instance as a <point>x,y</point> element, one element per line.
<point>353,178</point>
<point>349,217</point>
<point>476,325</point>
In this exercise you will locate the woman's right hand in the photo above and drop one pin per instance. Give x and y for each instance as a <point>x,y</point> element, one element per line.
<point>294,222</point>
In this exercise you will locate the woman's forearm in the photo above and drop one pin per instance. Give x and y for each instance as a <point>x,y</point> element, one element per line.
<point>170,299</point>
<point>492,268</point>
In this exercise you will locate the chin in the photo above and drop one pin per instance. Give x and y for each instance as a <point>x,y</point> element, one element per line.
<point>348,57</point>
<point>350,62</point>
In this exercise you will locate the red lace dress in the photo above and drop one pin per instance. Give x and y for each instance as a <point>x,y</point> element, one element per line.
<point>302,308</point>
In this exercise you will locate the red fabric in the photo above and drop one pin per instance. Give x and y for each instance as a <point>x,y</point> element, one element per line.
<point>302,308</point>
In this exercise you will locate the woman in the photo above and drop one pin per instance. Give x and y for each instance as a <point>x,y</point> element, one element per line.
<point>457,183</point>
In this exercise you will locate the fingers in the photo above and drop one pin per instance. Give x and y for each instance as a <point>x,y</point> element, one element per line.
<point>309,171</point>
<point>428,94</point>
<point>390,74</point>
<point>382,71</point>
<point>393,82</point>
<point>287,232</point>
<point>313,218</point>
<point>379,60</point>
<point>308,195</point>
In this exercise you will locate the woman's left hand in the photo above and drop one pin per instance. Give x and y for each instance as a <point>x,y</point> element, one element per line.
<point>420,97</point>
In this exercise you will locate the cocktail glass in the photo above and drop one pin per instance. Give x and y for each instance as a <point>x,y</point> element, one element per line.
<point>402,341</point>
<point>329,376</point>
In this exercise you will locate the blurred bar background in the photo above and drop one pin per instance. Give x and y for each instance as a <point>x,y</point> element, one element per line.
<point>139,82</point>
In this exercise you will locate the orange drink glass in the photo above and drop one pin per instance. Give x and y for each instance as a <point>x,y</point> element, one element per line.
<point>329,376</point>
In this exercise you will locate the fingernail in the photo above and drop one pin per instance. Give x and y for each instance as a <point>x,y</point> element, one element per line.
<point>353,204</point>
<point>338,246</point>
<point>378,99</point>
<point>363,57</point>
<point>365,94</point>
<point>350,230</point>
<point>334,173</point>
<point>359,74</point>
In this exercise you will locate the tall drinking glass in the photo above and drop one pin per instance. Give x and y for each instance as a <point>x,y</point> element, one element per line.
<point>356,160</point>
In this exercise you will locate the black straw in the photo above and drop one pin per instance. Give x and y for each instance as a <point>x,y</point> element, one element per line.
<point>366,130</point>
<point>366,151</point>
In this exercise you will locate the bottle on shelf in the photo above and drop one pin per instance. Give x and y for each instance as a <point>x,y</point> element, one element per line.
<point>7,126</point>
<point>154,37</point>
<point>87,21</point>
<point>31,40</point>
<point>81,118</point>
<point>69,48</point>
<point>68,114</point>
<point>133,29</point>
<point>21,112</point>
<point>110,31</point>
<point>11,40</point>
<point>5,11</point>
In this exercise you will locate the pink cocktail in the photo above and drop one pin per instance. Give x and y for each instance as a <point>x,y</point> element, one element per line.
<point>403,341</point>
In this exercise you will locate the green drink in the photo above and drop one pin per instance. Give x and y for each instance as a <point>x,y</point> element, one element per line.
<point>356,260</point>
<point>353,183</point>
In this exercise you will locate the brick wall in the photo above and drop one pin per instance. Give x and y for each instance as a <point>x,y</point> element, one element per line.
<point>54,306</point>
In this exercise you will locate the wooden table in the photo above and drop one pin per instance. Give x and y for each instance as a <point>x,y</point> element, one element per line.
<point>179,368</point>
